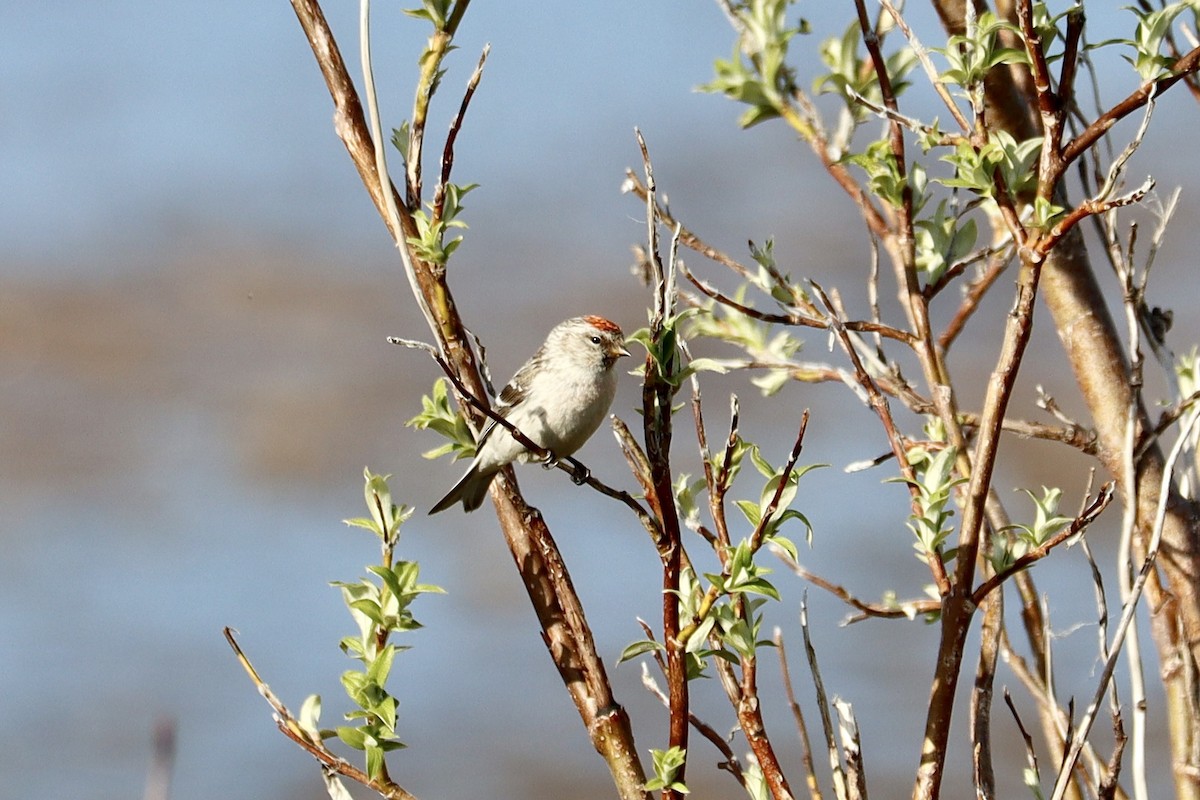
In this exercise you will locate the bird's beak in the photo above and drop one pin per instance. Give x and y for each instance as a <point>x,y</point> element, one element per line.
<point>619,351</point>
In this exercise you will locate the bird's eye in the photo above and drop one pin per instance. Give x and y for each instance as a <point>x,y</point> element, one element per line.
<point>595,340</point>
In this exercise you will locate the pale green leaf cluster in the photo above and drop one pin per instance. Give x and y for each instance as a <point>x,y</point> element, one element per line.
<point>438,416</point>
<point>380,608</point>
<point>757,75</point>
<point>941,241</point>
<point>976,169</point>
<point>935,482</point>
<point>754,511</point>
<point>853,78</point>
<point>739,631</point>
<point>385,516</point>
<point>690,595</point>
<point>686,491</point>
<point>1047,523</point>
<point>725,619</point>
<point>430,243</point>
<point>437,12</point>
<point>972,55</point>
<point>666,357</point>
<point>771,280</point>
<point>667,764</point>
<point>1152,29</point>
<point>757,338</point>
<point>884,178</point>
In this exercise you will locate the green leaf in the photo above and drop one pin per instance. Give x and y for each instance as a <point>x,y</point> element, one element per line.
<point>385,709</point>
<point>355,683</point>
<point>352,737</point>
<point>370,609</point>
<point>437,415</point>
<point>381,666</point>
<point>638,648</point>
<point>400,137</point>
<point>695,642</point>
<point>750,509</point>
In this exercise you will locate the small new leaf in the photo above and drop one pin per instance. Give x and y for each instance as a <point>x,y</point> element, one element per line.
<point>638,648</point>
<point>667,764</point>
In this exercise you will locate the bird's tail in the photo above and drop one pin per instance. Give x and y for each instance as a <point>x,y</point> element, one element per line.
<point>470,490</point>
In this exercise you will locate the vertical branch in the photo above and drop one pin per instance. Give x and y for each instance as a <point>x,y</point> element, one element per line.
<point>427,82</point>
<point>982,693</point>
<point>662,364</point>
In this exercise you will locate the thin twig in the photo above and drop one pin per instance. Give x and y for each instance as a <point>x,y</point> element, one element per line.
<point>769,512</point>
<point>381,169</point>
<point>835,764</point>
<point>863,326</point>
<point>931,72</point>
<point>810,776</point>
<point>657,423</point>
<point>439,193</point>
<point>1030,753</point>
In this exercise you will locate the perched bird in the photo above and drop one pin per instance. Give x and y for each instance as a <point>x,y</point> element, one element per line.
<point>558,399</point>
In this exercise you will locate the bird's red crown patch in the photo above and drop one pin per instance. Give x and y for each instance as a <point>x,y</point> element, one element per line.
<point>602,324</point>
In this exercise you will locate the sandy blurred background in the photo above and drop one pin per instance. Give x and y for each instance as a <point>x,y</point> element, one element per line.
<point>194,297</point>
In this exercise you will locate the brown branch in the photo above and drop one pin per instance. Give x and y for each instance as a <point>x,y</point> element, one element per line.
<point>1050,107</point>
<point>810,652</point>
<point>731,764</point>
<point>970,303</point>
<point>1046,242</point>
<point>957,608</point>
<point>1030,753</point>
<point>879,405</point>
<point>657,395</point>
<point>1070,65</point>
<point>1168,418</point>
<point>981,697</point>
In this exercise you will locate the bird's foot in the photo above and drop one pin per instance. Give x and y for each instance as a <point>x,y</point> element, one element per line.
<point>550,461</point>
<point>579,473</point>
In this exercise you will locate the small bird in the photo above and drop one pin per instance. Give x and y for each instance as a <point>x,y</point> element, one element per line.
<point>558,399</point>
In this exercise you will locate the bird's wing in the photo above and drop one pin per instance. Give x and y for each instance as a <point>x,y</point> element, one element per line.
<point>511,395</point>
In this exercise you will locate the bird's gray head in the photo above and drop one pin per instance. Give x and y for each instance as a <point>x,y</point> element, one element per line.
<point>591,340</point>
